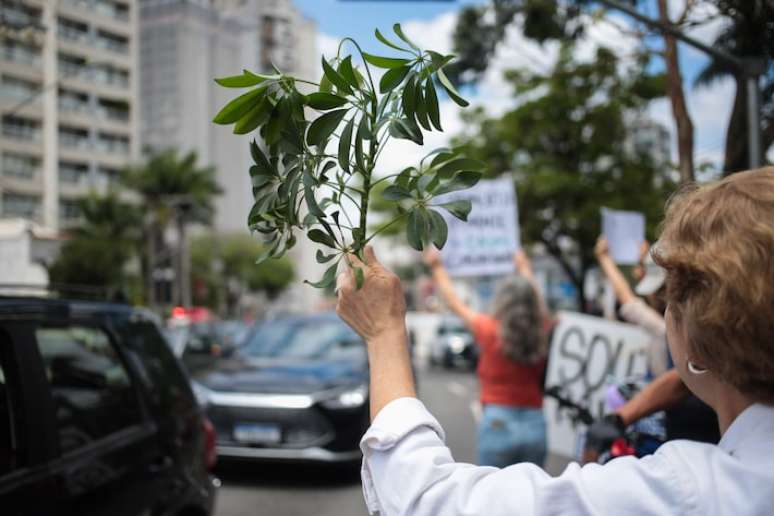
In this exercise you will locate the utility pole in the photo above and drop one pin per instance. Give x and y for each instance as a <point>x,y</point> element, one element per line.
<point>750,68</point>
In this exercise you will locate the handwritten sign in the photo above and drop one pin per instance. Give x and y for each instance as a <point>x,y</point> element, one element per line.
<point>484,245</point>
<point>625,232</point>
<point>586,352</point>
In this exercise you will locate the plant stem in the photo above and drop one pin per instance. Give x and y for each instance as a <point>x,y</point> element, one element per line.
<point>386,226</point>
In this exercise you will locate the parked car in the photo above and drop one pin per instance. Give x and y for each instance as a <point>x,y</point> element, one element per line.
<point>197,345</point>
<point>96,415</point>
<point>297,390</point>
<point>453,345</point>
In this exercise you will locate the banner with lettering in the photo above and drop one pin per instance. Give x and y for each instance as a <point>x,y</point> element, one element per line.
<point>587,353</point>
<point>484,245</point>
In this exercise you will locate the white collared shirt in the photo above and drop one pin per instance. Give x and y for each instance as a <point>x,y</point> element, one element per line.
<point>408,470</point>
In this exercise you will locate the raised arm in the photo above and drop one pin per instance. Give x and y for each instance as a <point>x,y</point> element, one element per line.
<point>524,267</point>
<point>446,288</point>
<point>377,312</point>
<point>623,292</point>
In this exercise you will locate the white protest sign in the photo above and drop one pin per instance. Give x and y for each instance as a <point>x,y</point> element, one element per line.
<point>484,245</point>
<point>585,353</point>
<point>625,232</point>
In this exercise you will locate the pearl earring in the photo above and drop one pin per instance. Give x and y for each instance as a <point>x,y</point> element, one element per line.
<point>694,369</point>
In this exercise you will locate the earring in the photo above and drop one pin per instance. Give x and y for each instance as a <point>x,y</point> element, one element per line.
<point>694,369</point>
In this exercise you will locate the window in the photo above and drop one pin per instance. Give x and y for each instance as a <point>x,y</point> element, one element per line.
<point>113,110</point>
<point>19,89</point>
<point>21,128</point>
<point>107,176</point>
<point>92,392</point>
<point>18,52</point>
<point>74,137</point>
<point>70,30</point>
<point>73,173</point>
<point>20,166</point>
<point>111,76</point>
<point>112,143</point>
<point>73,66</point>
<point>10,458</point>
<point>20,205</point>
<point>70,100</point>
<point>112,42</point>
<point>69,210</point>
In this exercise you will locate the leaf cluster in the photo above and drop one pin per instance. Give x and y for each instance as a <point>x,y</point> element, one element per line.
<point>316,166</point>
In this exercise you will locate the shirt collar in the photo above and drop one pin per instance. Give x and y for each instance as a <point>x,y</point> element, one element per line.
<point>754,420</point>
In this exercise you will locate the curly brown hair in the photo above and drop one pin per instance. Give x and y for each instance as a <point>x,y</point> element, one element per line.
<point>717,246</point>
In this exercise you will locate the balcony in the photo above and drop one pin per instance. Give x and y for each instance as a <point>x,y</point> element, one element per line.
<point>73,138</point>
<point>21,205</point>
<point>20,167</point>
<point>20,53</point>
<point>114,10</point>
<point>21,129</point>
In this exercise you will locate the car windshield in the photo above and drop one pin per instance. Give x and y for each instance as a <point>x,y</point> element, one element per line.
<point>452,326</point>
<point>313,339</point>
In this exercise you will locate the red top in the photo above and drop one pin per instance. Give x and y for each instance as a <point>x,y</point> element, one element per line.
<point>503,381</point>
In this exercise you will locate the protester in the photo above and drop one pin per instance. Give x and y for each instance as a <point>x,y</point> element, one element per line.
<point>717,247</point>
<point>512,343</point>
<point>687,417</point>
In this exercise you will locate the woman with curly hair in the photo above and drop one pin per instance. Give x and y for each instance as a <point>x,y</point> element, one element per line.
<point>717,247</point>
<point>512,343</point>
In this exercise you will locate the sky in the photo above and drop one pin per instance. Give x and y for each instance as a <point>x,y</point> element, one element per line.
<point>431,24</point>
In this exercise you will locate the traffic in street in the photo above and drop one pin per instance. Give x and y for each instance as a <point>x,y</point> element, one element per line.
<point>301,490</point>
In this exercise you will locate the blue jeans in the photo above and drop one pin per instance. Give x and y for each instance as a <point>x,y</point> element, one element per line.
<point>509,435</point>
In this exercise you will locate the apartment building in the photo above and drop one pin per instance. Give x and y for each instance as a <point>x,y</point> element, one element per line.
<point>68,101</point>
<point>187,43</point>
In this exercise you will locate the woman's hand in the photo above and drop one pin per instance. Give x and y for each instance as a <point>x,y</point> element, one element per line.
<point>522,263</point>
<point>432,257</point>
<point>378,308</point>
<point>602,249</point>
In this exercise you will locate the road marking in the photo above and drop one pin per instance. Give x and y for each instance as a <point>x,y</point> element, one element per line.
<point>475,409</point>
<point>457,388</point>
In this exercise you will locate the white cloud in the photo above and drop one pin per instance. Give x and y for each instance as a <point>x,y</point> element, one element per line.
<point>709,107</point>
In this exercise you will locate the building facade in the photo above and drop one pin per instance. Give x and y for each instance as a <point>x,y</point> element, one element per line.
<point>69,104</point>
<point>187,43</point>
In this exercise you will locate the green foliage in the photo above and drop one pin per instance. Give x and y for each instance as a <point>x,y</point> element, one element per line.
<point>166,181</point>
<point>220,261</point>
<point>100,248</point>
<point>566,149</point>
<point>294,169</point>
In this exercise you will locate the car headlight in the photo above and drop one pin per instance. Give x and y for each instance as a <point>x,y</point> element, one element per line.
<point>202,394</point>
<point>348,399</point>
<point>457,344</point>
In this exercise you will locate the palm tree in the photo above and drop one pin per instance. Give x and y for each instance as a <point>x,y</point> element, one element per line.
<point>176,190</point>
<point>748,34</point>
<point>100,247</point>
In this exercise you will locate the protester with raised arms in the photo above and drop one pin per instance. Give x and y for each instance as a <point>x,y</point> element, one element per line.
<point>512,349</point>
<point>716,247</point>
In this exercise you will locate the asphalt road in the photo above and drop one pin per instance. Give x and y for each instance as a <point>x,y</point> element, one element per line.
<point>324,491</point>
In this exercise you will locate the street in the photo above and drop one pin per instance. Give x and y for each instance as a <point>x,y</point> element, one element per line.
<point>323,491</point>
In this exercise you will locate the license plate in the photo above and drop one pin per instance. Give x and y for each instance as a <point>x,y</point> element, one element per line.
<point>257,433</point>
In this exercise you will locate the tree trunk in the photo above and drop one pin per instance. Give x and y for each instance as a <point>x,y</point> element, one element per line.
<point>183,273</point>
<point>150,266</point>
<point>677,98</point>
<point>736,152</point>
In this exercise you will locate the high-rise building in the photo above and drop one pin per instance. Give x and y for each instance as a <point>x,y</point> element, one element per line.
<point>68,100</point>
<point>185,44</point>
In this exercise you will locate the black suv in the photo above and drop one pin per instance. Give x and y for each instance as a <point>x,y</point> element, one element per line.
<point>97,417</point>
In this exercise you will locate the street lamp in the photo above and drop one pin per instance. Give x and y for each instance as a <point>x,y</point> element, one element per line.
<point>751,68</point>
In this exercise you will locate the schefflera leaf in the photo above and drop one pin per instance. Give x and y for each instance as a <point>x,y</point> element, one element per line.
<point>299,182</point>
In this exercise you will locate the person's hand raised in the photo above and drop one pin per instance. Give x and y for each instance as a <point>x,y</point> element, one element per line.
<point>378,308</point>
<point>523,265</point>
<point>602,248</point>
<point>432,257</point>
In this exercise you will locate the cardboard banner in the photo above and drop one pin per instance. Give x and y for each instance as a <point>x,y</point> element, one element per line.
<point>484,245</point>
<point>625,232</point>
<point>586,354</point>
